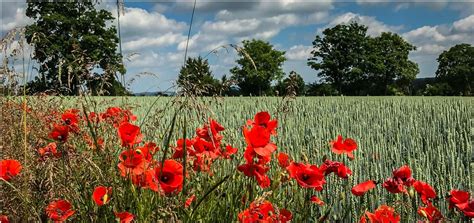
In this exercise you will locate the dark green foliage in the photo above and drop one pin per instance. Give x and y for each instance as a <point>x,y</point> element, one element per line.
<point>456,69</point>
<point>195,78</point>
<point>74,47</point>
<point>357,64</point>
<point>321,89</point>
<point>259,65</point>
<point>293,85</point>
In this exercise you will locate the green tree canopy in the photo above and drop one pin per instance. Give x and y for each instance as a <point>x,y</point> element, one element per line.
<point>259,65</point>
<point>74,47</point>
<point>357,64</point>
<point>338,56</point>
<point>456,68</point>
<point>387,66</point>
<point>195,78</point>
<point>293,85</point>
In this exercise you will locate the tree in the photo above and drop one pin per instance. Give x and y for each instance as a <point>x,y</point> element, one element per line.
<point>357,64</point>
<point>293,85</point>
<point>259,65</point>
<point>388,67</point>
<point>74,47</point>
<point>339,55</point>
<point>195,78</point>
<point>456,68</point>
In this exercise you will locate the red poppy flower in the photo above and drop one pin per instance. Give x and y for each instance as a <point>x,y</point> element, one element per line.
<point>102,195</point>
<point>425,190</point>
<point>263,211</point>
<point>59,210</point>
<point>346,146</point>
<point>264,155</point>
<point>283,160</point>
<point>336,167</point>
<point>51,148</point>
<point>4,219</point>
<point>257,136</point>
<point>384,213</point>
<point>431,213</point>
<point>468,209</point>
<point>171,179</point>
<point>457,198</point>
<point>129,134</point>
<point>9,169</point>
<point>59,132</point>
<point>257,171</point>
<point>362,188</point>
<point>70,118</point>
<point>178,150</point>
<point>147,151</point>
<point>229,151</point>
<point>316,200</point>
<point>263,119</point>
<point>132,162</point>
<point>124,217</point>
<point>285,216</point>
<point>404,173</point>
<point>189,201</point>
<point>307,175</point>
<point>394,185</point>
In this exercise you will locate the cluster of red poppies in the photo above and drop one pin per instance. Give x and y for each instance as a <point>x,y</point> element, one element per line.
<point>204,148</point>
<point>137,163</point>
<point>259,148</point>
<point>402,178</point>
<point>264,211</point>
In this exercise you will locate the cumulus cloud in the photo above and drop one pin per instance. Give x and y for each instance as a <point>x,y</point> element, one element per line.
<point>299,52</point>
<point>375,27</point>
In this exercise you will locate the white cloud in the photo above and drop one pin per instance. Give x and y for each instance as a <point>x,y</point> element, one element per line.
<point>465,25</point>
<point>299,52</point>
<point>13,16</point>
<point>167,39</point>
<point>375,27</point>
<point>137,22</point>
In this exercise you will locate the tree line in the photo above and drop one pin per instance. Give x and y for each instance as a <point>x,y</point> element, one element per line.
<point>76,49</point>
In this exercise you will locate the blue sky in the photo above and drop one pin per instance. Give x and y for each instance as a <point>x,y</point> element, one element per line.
<point>154,33</point>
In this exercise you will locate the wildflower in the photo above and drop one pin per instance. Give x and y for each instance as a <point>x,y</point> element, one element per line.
<point>189,201</point>
<point>70,119</point>
<point>336,167</point>
<point>431,213</point>
<point>362,188</point>
<point>263,119</point>
<point>394,185</point>
<point>263,211</point>
<point>59,210</point>
<point>258,171</point>
<point>425,190</point>
<point>346,146</point>
<point>9,169</point>
<point>129,134</point>
<point>283,160</point>
<point>307,175</point>
<point>124,217</point>
<point>101,195</point>
<point>458,198</point>
<point>51,148</point>
<point>170,180</point>
<point>229,150</point>
<point>4,219</point>
<point>404,173</point>
<point>383,214</point>
<point>132,162</point>
<point>59,133</point>
<point>316,200</point>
